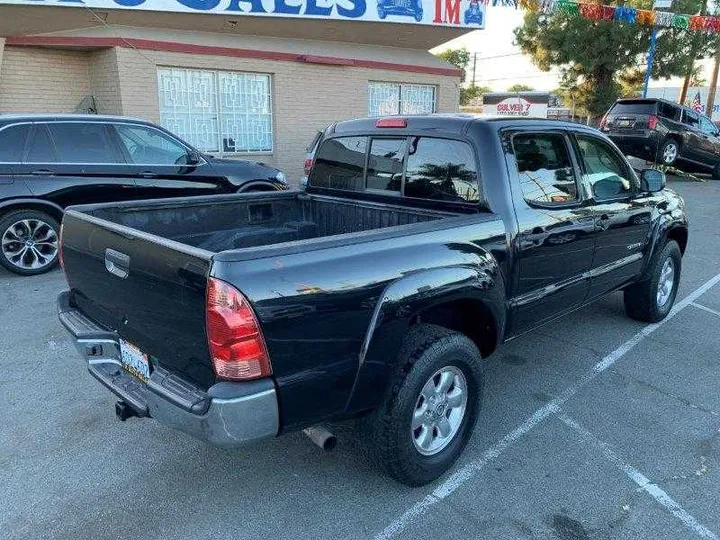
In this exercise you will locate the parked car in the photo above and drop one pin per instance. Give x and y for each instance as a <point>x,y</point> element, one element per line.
<point>50,162</point>
<point>420,245</point>
<point>664,132</point>
<point>403,8</point>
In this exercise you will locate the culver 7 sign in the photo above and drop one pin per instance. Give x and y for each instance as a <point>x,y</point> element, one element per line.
<point>459,13</point>
<point>533,104</point>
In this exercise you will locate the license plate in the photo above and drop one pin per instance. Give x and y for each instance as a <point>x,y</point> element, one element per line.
<point>134,360</point>
<point>624,123</point>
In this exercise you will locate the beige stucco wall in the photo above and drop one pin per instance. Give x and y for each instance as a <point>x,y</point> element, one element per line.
<point>35,79</point>
<point>2,49</point>
<point>306,97</point>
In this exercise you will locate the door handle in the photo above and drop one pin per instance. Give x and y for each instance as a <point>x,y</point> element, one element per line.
<point>148,174</point>
<point>603,221</point>
<point>42,172</point>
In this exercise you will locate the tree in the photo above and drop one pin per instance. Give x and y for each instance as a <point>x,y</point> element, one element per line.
<point>471,92</point>
<point>460,58</point>
<point>519,87</point>
<point>594,56</point>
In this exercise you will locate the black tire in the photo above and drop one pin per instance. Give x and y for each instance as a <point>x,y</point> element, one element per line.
<point>641,299</point>
<point>665,145</point>
<point>23,267</point>
<point>716,172</point>
<point>426,350</point>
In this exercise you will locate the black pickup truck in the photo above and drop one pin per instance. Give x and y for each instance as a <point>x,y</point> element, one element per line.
<point>420,245</point>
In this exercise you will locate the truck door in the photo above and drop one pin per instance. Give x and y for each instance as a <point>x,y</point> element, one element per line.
<point>622,214</point>
<point>555,241</point>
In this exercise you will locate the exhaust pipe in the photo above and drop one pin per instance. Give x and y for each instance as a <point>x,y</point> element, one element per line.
<point>321,437</point>
<point>124,411</point>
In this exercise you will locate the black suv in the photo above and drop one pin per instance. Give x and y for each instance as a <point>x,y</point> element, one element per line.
<point>50,162</point>
<point>664,132</point>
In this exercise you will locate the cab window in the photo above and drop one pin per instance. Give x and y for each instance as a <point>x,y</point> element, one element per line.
<point>604,172</point>
<point>441,169</point>
<point>545,168</point>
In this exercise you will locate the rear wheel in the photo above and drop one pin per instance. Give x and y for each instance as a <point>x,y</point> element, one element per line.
<point>652,299</point>
<point>669,152</point>
<point>28,242</point>
<point>430,413</point>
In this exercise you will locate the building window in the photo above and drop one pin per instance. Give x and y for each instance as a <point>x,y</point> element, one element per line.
<point>386,99</point>
<point>217,111</point>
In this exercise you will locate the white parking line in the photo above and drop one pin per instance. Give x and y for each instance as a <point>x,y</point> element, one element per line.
<point>705,308</point>
<point>458,478</point>
<point>655,491</point>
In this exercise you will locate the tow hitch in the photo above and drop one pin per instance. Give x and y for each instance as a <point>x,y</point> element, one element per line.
<point>124,411</point>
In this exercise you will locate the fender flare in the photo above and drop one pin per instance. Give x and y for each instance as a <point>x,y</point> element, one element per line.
<point>401,302</point>
<point>25,202</point>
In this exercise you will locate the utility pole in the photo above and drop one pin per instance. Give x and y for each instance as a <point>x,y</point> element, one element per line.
<point>713,86</point>
<point>474,68</point>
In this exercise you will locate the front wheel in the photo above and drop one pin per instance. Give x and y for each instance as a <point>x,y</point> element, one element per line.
<point>28,242</point>
<point>431,411</point>
<point>652,299</point>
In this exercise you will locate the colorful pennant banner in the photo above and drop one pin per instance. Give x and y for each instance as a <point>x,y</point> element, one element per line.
<point>624,14</point>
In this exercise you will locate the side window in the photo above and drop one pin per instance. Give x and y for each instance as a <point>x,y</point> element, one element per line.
<point>441,169</point>
<point>668,111</point>
<point>604,171</point>
<point>340,164</point>
<point>544,167</point>
<point>385,164</point>
<point>12,143</point>
<point>707,126</point>
<point>691,118</point>
<point>42,149</point>
<point>149,146</point>
<point>83,143</point>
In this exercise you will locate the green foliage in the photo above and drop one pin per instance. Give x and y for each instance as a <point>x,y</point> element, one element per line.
<point>519,87</point>
<point>460,58</point>
<point>472,91</point>
<point>600,61</point>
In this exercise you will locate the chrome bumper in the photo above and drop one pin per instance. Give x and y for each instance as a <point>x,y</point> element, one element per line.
<point>227,414</point>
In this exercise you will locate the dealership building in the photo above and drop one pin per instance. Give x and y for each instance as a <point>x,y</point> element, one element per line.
<point>240,78</point>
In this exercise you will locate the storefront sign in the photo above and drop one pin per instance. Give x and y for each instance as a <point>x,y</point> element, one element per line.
<point>454,13</point>
<point>533,104</point>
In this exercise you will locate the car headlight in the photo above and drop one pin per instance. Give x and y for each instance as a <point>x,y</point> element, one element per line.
<point>280,177</point>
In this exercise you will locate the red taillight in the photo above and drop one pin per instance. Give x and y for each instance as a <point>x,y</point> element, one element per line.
<point>603,122</point>
<point>391,123</point>
<point>652,122</point>
<point>237,346</point>
<point>308,166</point>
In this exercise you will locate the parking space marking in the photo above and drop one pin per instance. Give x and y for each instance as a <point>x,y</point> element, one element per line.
<point>705,308</point>
<point>655,491</point>
<point>460,477</point>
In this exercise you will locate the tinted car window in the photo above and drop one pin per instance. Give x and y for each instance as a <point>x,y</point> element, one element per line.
<point>83,143</point>
<point>544,167</point>
<point>441,169</point>
<point>42,149</point>
<point>148,146</point>
<point>669,111</point>
<point>691,118</point>
<point>707,126</point>
<point>385,164</point>
<point>12,143</point>
<point>604,172</point>
<point>634,107</point>
<point>340,164</point>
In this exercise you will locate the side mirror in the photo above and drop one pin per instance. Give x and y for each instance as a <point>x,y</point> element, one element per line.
<point>193,158</point>
<point>652,180</point>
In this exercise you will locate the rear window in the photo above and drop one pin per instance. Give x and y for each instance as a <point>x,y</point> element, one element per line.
<point>417,167</point>
<point>634,107</point>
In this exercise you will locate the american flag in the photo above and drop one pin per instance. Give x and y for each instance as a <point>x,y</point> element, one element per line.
<point>696,105</point>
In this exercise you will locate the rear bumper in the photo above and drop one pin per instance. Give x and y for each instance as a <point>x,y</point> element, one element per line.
<point>227,415</point>
<point>642,146</point>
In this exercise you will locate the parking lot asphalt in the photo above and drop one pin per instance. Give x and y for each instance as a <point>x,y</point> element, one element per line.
<point>593,427</point>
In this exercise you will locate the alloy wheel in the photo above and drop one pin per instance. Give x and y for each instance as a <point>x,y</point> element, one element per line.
<point>30,244</point>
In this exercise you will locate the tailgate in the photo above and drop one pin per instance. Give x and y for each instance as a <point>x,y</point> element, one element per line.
<point>151,291</point>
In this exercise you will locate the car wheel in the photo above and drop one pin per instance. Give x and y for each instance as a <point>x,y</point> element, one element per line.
<point>432,406</point>
<point>669,152</point>
<point>28,242</point>
<point>716,172</point>
<point>652,299</point>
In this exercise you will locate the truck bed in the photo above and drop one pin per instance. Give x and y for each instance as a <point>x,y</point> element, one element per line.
<point>224,223</point>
